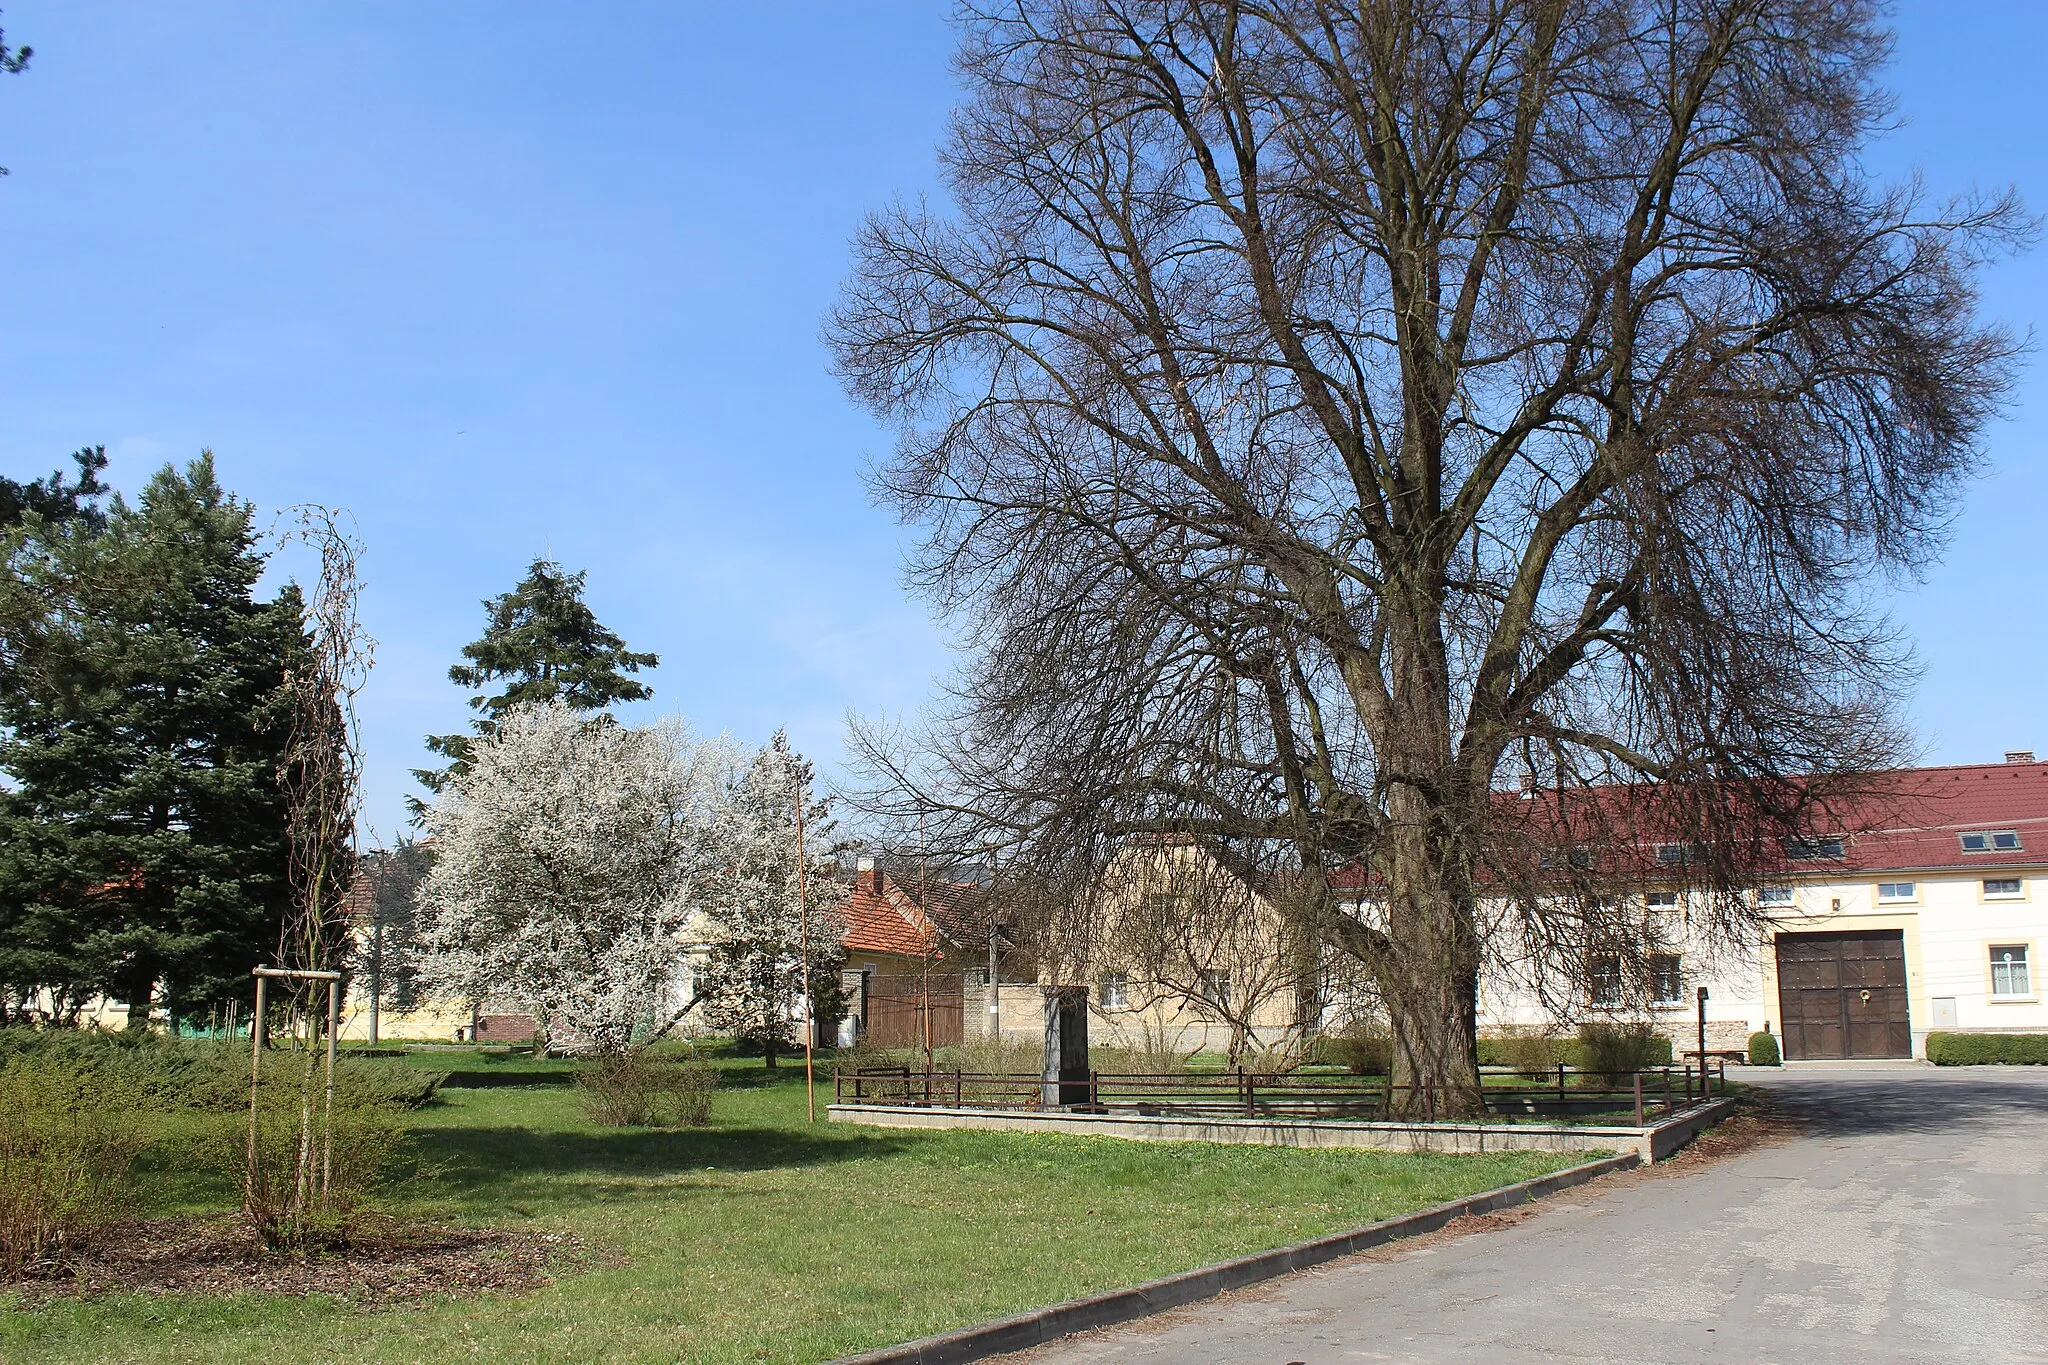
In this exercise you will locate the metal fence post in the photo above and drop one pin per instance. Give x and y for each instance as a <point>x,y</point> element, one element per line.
<point>1560,1088</point>
<point>1638,1079</point>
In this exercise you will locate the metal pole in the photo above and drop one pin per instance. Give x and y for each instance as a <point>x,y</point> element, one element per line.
<point>803,939</point>
<point>376,967</point>
<point>255,1076</point>
<point>995,989</point>
<point>1638,1078</point>
<point>327,1123</point>
<point>1703,1039</point>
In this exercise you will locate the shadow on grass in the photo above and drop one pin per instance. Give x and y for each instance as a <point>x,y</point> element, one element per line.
<point>472,1158</point>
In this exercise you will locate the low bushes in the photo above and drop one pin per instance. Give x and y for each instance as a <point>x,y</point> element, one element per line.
<point>1763,1050</point>
<point>1988,1049</point>
<point>67,1141</point>
<point>313,1164</point>
<point>632,1089</point>
<point>1360,1049</point>
<point>1598,1047</point>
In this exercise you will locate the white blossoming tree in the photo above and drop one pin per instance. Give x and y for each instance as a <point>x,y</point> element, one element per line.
<point>758,985</point>
<point>569,861</point>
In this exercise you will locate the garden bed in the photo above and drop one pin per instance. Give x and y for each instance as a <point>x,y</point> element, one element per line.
<point>385,1262</point>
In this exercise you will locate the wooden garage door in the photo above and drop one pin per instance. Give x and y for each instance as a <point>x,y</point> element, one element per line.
<point>1844,995</point>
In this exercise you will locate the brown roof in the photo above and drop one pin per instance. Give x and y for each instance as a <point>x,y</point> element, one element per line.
<point>883,916</point>
<point>1907,819</point>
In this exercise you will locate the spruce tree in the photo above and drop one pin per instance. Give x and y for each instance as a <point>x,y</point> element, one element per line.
<point>543,643</point>
<point>142,848</point>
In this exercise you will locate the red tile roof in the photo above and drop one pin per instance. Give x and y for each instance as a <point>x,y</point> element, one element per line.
<point>1915,818</point>
<point>884,916</point>
<point>876,923</point>
<point>1909,819</point>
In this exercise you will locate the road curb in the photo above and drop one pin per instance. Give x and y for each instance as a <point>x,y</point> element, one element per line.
<point>1041,1325</point>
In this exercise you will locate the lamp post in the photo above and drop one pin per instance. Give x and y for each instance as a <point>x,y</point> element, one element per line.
<point>1703,1041</point>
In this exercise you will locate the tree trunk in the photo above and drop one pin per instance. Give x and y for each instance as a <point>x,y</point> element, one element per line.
<point>140,992</point>
<point>768,1051</point>
<point>1430,978</point>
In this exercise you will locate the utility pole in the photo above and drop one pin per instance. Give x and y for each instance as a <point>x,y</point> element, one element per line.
<point>803,952</point>
<point>924,910</point>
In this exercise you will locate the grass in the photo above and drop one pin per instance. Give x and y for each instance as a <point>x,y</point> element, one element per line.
<point>765,1239</point>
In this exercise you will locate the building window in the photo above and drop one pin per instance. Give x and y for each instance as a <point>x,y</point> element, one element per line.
<point>1680,853</point>
<point>1990,841</point>
<point>1605,986</point>
<point>1667,979</point>
<point>1553,858</point>
<point>1807,850</point>
<point>1113,991</point>
<point>1215,987</point>
<point>1774,895</point>
<point>1661,900</point>
<point>2009,976</point>
<point>2002,888</point>
<point>1892,893</point>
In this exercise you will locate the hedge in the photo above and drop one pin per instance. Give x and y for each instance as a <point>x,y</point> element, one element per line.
<point>1988,1049</point>
<point>1763,1050</point>
<point>1569,1051</point>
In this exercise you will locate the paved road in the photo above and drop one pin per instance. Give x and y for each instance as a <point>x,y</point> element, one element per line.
<point>1909,1223</point>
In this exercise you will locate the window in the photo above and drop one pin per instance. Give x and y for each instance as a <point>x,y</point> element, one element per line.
<point>1553,858</point>
<point>1895,892</point>
<point>1113,991</point>
<point>1661,900</point>
<point>1774,895</point>
<point>1667,979</point>
<point>1216,988</point>
<point>1990,841</point>
<point>1806,850</point>
<point>2001,888</point>
<point>1680,853</point>
<point>2009,976</point>
<point>1604,984</point>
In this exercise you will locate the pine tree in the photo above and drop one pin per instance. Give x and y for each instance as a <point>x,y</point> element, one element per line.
<point>142,848</point>
<point>544,643</point>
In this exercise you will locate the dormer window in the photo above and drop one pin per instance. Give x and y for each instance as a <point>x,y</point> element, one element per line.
<point>1553,858</point>
<point>1674,854</point>
<point>1808,850</point>
<point>1990,841</point>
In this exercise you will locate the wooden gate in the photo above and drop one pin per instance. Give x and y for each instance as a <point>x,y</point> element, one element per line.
<point>896,1008</point>
<point>1844,995</point>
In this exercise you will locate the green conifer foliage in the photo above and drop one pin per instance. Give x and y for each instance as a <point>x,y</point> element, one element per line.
<point>542,643</point>
<point>142,845</point>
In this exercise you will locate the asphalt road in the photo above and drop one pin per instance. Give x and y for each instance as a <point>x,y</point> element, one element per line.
<point>1907,1222</point>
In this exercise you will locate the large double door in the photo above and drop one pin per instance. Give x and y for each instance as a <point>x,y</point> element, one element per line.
<point>1844,995</point>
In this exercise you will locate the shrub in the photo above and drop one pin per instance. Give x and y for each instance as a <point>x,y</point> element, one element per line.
<point>313,1165</point>
<point>634,1090</point>
<point>1614,1050</point>
<point>67,1140</point>
<point>1763,1050</point>
<point>200,1075</point>
<point>1988,1049</point>
<point>1362,1050</point>
<point>1532,1054</point>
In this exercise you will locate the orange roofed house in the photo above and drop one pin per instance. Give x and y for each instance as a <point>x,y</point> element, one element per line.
<point>918,958</point>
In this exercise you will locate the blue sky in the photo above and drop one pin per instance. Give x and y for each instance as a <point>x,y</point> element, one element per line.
<point>508,280</point>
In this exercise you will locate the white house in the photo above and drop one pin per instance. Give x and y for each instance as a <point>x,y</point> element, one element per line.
<point>1927,912</point>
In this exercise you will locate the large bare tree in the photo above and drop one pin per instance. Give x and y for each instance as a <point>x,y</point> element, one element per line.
<point>1326,418</point>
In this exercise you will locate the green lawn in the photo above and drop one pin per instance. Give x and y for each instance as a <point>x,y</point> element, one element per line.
<point>762,1239</point>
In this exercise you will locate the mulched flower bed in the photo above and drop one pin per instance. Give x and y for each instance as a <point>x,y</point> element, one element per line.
<point>378,1266</point>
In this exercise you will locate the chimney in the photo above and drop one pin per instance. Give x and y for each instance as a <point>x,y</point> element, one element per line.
<point>2019,755</point>
<point>868,874</point>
